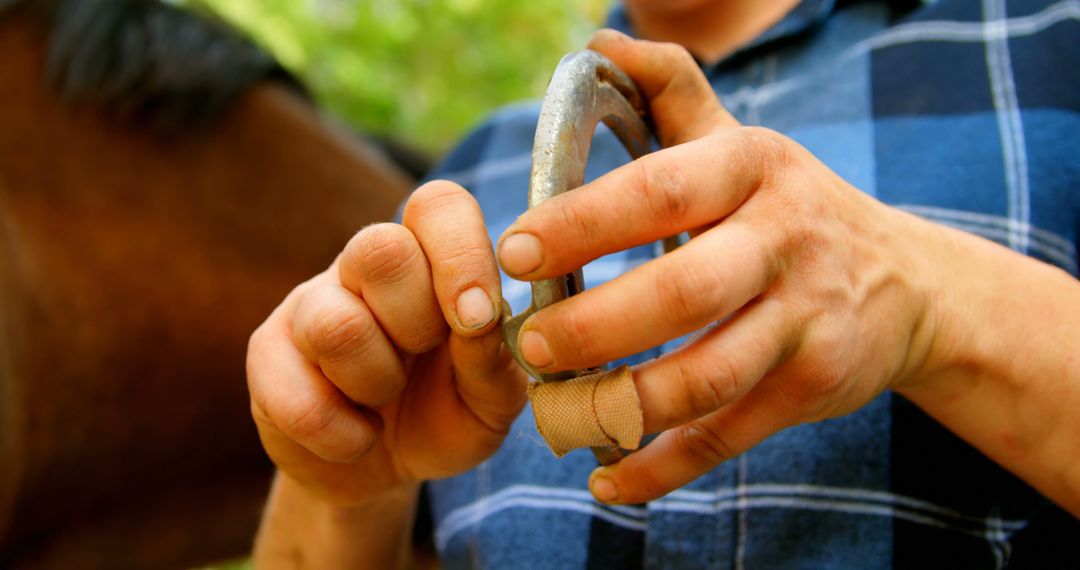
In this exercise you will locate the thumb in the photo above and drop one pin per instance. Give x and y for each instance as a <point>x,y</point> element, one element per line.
<point>681,101</point>
<point>489,381</point>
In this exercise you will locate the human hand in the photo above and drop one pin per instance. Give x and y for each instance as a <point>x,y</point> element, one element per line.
<point>816,297</point>
<point>388,368</point>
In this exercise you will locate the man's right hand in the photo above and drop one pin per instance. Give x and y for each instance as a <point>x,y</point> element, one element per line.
<point>388,368</point>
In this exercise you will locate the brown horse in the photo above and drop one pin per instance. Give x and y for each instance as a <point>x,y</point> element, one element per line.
<point>162,186</point>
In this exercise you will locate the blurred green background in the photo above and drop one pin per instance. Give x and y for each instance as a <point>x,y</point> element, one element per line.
<point>424,71</point>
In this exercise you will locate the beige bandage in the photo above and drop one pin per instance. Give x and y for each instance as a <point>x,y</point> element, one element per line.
<point>595,410</point>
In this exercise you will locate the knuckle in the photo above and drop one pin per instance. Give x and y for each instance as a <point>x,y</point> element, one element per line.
<point>431,198</point>
<point>765,141</point>
<point>676,55</point>
<point>571,220</point>
<point>256,351</point>
<point>830,332</point>
<point>377,391</point>
<point>303,418</point>
<point>382,252</point>
<point>338,332</point>
<point>467,258</point>
<point>708,383</point>
<point>580,329</point>
<point>665,188</point>
<point>646,484</point>
<point>767,152</point>
<point>691,293</point>
<point>772,253</point>
<point>701,445</point>
<point>820,386</point>
<point>829,380</point>
<point>828,377</point>
<point>423,337</point>
<point>258,410</point>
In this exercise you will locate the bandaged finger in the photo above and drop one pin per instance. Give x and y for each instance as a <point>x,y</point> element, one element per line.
<point>599,409</point>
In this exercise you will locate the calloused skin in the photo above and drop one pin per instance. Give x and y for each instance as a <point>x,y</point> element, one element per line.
<point>819,298</point>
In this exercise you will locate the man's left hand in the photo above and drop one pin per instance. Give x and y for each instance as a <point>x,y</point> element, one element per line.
<point>814,297</point>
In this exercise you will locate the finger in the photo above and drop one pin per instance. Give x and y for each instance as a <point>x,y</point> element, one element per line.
<point>659,195</point>
<point>486,389</point>
<point>480,399</point>
<point>680,455</point>
<point>681,101</point>
<point>489,382</point>
<point>385,265</point>
<point>289,394</point>
<point>718,368</point>
<point>449,226</point>
<point>335,330</point>
<point>678,293</point>
<point>326,480</point>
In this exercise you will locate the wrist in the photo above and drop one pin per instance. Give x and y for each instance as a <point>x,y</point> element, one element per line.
<point>979,305</point>
<point>939,266</point>
<point>324,509</point>
<point>1001,372</point>
<point>920,250</point>
<point>299,524</point>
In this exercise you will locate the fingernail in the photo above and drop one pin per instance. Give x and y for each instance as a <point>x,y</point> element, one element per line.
<point>520,254</point>
<point>535,349</point>
<point>474,309</point>
<point>602,487</point>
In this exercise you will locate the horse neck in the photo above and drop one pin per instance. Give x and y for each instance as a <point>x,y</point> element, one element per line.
<point>136,267</point>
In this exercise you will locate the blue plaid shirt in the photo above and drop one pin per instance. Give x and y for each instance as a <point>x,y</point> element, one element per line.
<point>963,112</point>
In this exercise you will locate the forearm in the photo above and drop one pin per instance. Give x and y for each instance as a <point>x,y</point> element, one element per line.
<point>1004,372</point>
<point>300,531</point>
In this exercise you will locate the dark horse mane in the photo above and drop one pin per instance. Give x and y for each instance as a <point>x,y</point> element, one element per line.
<point>147,62</point>
<point>154,65</point>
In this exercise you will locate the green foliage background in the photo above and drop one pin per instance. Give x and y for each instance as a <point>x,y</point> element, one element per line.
<point>422,70</point>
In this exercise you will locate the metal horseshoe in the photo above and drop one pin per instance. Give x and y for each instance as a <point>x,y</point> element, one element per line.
<point>585,89</point>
